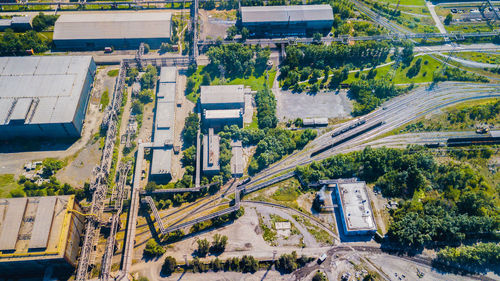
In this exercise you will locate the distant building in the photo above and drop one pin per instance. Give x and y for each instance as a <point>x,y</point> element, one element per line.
<point>39,232</point>
<point>315,122</point>
<point>44,96</point>
<point>84,31</point>
<point>17,23</point>
<point>222,105</point>
<point>237,167</point>
<point>211,153</point>
<point>276,21</point>
<point>355,208</point>
<point>164,124</point>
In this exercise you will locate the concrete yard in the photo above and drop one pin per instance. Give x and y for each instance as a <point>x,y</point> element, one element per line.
<point>305,105</point>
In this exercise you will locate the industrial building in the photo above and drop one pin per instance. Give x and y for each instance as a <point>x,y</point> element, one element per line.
<point>355,209</point>
<point>39,232</point>
<point>17,23</point>
<point>211,153</point>
<point>277,21</point>
<point>84,31</point>
<point>222,105</point>
<point>237,168</point>
<point>164,124</point>
<point>45,96</point>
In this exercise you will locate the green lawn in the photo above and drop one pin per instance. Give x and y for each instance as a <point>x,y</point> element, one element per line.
<point>113,72</point>
<point>424,75</point>
<point>256,83</point>
<point>7,184</point>
<point>406,2</point>
<point>486,57</point>
<point>469,27</point>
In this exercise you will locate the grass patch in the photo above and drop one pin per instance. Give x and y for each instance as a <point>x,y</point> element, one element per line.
<point>425,74</point>
<point>104,99</point>
<point>255,83</point>
<point>254,124</point>
<point>269,234</point>
<point>482,57</point>
<point>113,72</point>
<point>319,234</point>
<point>7,184</point>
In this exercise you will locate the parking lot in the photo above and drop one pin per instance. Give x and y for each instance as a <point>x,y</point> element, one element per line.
<point>306,105</point>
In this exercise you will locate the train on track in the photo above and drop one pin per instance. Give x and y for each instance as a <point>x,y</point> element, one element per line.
<point>348,137</point>
<point>346,129</point>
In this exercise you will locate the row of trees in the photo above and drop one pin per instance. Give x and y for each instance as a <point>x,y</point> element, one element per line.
<point>369,94</point>
<point>247,264</point>
<point>17,44</point>
<point>455,74</point>
<point>482,112</point>
<point>218,245</point>
<point>237,60</point>
<point>480,257</point>
<point>454,201</point>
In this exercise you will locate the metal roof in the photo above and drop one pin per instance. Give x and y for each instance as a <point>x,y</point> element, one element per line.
<point>48,86</point>
<point>168,74</point>
<point>164,122</point>
<point>12,223</point>
<point>223,114</point>
<point>237,158</point>
<point>295,13</point>
<point>222,94</point>
<point>166,92</point>
<point>112,26</point>
<point>43,223</point>
<point>162,161</point>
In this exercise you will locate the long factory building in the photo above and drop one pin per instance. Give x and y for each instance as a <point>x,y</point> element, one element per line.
<point>164,124</point>
<point>38,232</point>
<point>294,20</point>
<point>83,31</point>
<point>44,96</point>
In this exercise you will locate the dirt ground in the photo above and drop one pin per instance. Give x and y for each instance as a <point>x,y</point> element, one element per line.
<point>213,27</point>
<point>13,162</point>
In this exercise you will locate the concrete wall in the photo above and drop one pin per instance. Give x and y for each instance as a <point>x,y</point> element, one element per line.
<point>288,28</point>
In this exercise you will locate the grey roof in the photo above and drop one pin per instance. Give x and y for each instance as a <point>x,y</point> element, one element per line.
<point>162,161</point>
<point>221,94</point>
<point>211,152</point>
<point>166,92</point>
<point>495,134</point>
<point>223,114</point>
<point>112,26</point>
<point>164,122</point>
<point>48,87</point>
<point>12,223</point>
<point>237,158</point>
<point>43,223</point>
<point>168,74</point>
<point>356,206</point>
<point>21,20</point>
<point>296,13</point>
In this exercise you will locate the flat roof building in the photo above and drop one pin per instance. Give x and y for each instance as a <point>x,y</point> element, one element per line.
<point>237,167</point>
<point>38,232</point>
<point>211,153</point>
<point>119,30</point>
<point>222,105</point>
<point>287,20</point>
<point>17,23</point>
<point>44,96</point>
<point>164,123</point>
<point>355,208</point>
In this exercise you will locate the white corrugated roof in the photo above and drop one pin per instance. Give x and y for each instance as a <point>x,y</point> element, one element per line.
<point>222,94</point>
<point>295,13</point>
<point>112,26</point>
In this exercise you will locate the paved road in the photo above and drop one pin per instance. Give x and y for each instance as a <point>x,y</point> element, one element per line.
<point>474,64</point>
<point>435,17</point>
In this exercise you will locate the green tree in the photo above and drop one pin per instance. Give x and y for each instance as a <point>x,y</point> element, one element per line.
<point>148,79</point>
<point>206,80</point>
<point>51,166</point>
<point>219,243</point>
<point>203,247</point>
<point>448,19</point>
<point>153,249</point>
<point>137,107</point>
<point>287,263</point>
<point>245,33</point>
<point>169,265</point>
<point>191,127</point>
<point>248,264</point>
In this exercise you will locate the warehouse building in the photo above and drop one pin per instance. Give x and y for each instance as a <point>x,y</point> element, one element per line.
<point>17,23</point>
<point>44,97</point>
<point>38,232</point>
<point>211,153</point>
<point>84,31</point>
<point>355,209</point>
<point>164,124</point>
<point>277,21</point>
<point>222,105</point>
